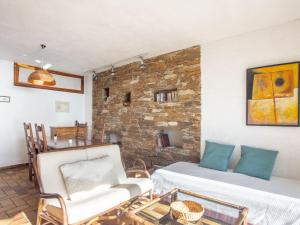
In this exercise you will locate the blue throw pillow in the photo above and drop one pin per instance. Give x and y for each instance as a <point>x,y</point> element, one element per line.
<point>216,156</point>
<point>256,162</point>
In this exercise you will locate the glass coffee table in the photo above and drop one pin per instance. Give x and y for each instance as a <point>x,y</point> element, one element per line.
<point>157,211</point>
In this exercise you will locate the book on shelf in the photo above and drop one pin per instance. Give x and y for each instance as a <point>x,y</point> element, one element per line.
<point>158,141</point>
<point>163,140</point>
<point>166,96</point>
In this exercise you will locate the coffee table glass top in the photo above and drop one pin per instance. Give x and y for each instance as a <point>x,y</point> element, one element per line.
<point>157,212</point>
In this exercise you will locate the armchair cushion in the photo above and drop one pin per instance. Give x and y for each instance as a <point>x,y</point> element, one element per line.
<point>111,150</point>
<point>81,209</point>
<point>50,174</point>
<point>136,186</point>
<point>88,177</point>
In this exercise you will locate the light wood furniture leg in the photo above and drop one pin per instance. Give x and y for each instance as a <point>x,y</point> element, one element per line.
<point>39,211</point>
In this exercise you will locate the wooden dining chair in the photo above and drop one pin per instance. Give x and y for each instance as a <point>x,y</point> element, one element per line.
<point>98,133</point>
<point>41,139</point>
<point>81,132</point>
<point>31,152</point>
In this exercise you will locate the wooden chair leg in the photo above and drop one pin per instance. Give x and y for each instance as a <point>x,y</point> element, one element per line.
<point>151,195</point>
<point>30,171</point>
<point>35,180</point>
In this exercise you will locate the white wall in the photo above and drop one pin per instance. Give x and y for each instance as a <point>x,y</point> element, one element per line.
<point>30,105</point>
<point>224,65</point>
<point>88,82</point>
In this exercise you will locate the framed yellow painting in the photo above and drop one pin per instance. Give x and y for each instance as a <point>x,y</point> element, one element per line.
<point>273,95</point>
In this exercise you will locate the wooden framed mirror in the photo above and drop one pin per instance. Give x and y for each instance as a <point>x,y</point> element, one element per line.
<point>65,82</point>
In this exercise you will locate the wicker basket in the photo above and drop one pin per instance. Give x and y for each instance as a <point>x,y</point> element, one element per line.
<point>187,210</point>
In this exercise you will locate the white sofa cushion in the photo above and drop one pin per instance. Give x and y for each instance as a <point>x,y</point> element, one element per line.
<point>49,163</point>
<point>114,152</point>
<point>87,178</point>
<point>81,209</point>
<point>136,186</point>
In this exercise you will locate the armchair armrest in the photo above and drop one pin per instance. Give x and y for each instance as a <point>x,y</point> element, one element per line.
<point>44,196</point>
<point>50,196</point>
<point>139,169</point>
<point>141,162</point>
<point>137,173</point>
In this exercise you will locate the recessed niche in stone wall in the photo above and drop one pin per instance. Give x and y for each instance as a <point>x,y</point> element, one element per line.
<point>105,94</point>
<point>175,137</point>
<point>169,138</point>
<point>127,99</point>
<point>113,138</point>
<point>166,95</point>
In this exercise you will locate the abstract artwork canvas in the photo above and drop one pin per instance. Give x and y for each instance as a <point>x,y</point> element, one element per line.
<point>272,95</point>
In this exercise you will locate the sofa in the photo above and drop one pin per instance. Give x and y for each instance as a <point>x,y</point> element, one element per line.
<point>55,206</point>
<point>274,202</point>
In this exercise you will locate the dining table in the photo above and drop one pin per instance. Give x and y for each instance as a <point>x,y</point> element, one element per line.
<point>69,144</point>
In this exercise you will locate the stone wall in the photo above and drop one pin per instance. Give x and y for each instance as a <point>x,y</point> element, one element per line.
<point>138,124</point>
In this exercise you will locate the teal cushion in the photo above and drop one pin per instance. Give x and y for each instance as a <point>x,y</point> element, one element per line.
<point>216,156</point>
<point>256,162</point>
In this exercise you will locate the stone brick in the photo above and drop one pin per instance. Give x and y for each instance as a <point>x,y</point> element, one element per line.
<point>149,117</point>
<point>172,124</point>
<point>186,92</point>
<point>162,124</point>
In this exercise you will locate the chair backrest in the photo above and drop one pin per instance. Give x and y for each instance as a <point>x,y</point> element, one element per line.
<point>29,139</point>
<point>81,131</point>
<point>99,135</point>
<point>41,138</point>
<point>49,165</point>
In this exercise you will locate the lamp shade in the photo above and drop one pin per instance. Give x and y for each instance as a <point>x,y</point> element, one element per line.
<point>41,77</point>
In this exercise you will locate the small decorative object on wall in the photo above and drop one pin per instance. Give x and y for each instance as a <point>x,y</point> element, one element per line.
<point>5,99</point>
<point>272,95</point>
<point>62,106</point>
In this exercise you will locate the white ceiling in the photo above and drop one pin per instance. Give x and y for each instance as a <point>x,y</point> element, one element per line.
<point>82,35</point>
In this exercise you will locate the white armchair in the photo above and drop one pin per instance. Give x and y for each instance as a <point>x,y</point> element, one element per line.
<point>56,207</point>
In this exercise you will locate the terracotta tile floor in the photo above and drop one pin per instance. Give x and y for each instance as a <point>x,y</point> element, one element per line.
<point>17,193</point>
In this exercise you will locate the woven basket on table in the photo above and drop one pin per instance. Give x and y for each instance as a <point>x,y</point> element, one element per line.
<point>187,210</point>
